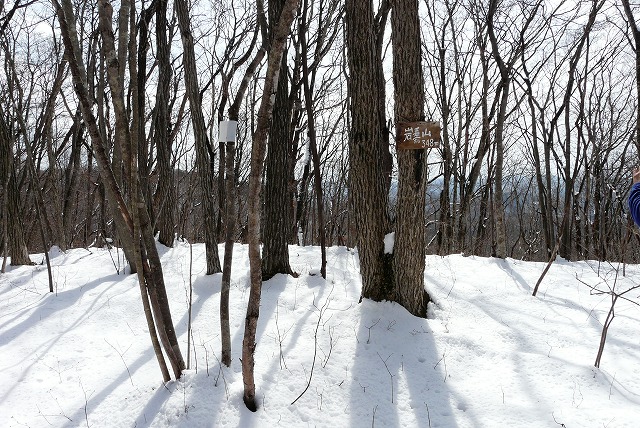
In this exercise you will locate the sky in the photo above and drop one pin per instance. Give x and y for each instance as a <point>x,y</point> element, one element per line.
<point>488,355</point>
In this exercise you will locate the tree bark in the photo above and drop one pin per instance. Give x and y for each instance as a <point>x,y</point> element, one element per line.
<point>165,193</point>
<point>230,226</point>
<point>278,194</point>
<point>203,160</point>
<point>14,242</point>
<point>278,42</point>
<point>367,198</point>
<point>409,249</point>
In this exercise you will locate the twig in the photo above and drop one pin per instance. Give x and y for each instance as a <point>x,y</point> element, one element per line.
<point>221,373</point>
<point>86,404</point>
<point>372,325</point>
<point>122,358</point>
<point>388,371</point>
<point>315,343</point>
<point>428,414</point>
<point>373,420</point>
<point>559,423</point>
<point>190,306</point>
<point>611,386</point>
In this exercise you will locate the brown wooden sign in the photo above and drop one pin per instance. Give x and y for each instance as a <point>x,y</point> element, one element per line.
<point>418,135</point>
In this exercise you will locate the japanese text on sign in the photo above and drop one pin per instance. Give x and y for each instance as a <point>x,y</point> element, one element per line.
<point>418,135</point>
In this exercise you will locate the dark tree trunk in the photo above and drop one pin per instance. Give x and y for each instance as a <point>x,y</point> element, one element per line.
<point>13,234</point>
<point>278,191</point>
<point>165,196</point>
<point>367,198</point>
<point>203,160</point>
<point>409,248</point>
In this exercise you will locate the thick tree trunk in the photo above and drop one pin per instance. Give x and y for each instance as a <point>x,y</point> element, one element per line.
<point>409,249</point>
<point>278,194</point>
<point>367,198</point>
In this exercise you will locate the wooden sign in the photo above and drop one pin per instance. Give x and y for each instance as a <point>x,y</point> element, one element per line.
<point>418,135</point>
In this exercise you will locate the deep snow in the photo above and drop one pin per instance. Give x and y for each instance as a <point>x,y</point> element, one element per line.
<point>490,354</point>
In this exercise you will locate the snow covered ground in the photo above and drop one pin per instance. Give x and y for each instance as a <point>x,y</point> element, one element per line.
<point>490,354</point>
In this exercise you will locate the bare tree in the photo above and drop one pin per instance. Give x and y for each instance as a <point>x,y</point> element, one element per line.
<point>203,145</point>
<point>137,226</point>
<point>276,48</point>
<point>408,82</point>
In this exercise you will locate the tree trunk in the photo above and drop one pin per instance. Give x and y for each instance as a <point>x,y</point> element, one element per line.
<point>313,146</point>
<point>367,198</point>
<point>636,39</point>
<point>203,160</point>
<point>152,269</point>
<point>165,193</point>
<point>13,239</point>
<point>230,226</point>
<point>278,42</point>
<point>409,249</point>
<point>278,194</point>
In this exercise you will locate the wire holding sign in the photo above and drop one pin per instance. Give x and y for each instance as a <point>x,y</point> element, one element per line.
<point>418,135</point>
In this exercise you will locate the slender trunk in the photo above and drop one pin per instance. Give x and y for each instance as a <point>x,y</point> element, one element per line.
<point>230,225</point>
<point>317,177</point>
<point>166,190</point>
<point>203,160</point>
<point>138,202</point>
<point>255,176</point>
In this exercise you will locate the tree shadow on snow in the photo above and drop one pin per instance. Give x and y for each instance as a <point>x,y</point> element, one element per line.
<point>396,377</point>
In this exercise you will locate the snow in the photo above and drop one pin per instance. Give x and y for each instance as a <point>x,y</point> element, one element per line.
<point>489,355</point>
<point>389,241</point>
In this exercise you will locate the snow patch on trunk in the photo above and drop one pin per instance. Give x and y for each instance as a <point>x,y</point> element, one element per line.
<point>389,240</point>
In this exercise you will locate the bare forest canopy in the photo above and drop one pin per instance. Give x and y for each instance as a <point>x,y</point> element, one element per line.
<point>537,101</point>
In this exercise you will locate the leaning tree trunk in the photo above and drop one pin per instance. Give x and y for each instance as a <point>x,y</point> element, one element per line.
<point>153,278</point>
<point>278,43</point>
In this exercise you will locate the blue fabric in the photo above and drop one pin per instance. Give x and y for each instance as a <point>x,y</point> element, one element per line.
<point>634,203</point>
